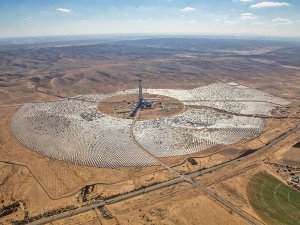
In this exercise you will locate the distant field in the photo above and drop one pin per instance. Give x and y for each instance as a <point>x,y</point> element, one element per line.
<point>274,201</point>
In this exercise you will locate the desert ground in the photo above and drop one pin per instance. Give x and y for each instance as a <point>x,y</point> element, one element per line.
<point>217,185</point>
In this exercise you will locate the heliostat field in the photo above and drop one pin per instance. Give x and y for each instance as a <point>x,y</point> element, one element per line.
<point>74,130</point>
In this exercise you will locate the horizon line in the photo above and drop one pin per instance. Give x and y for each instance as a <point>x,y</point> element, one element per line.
<point>154,34</point>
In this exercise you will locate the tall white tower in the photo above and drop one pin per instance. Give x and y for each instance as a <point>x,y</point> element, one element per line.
<point>140,92</point>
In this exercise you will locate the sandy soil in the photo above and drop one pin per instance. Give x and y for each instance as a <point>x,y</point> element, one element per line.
<point>233,187</point>
<point>86,218</point>
<point>292,156</point>
<point>19,185</point>
<point>285,151</point>
<point>177,205</point>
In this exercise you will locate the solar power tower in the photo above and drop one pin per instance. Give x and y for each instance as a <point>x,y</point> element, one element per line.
<point>140,97</point>
<point>140,100</point>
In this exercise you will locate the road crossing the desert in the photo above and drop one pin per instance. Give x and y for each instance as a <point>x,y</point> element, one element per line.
<point>183,178</point>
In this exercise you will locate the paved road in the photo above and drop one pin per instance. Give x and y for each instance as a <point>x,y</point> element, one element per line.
<point>107,202</point>
<point>182,178</point>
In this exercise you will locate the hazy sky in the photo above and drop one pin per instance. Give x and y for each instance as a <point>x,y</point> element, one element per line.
<point>60,17</point>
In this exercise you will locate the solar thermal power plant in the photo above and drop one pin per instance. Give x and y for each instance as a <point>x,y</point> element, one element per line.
<point>79,133</point>
<point>150,128</point>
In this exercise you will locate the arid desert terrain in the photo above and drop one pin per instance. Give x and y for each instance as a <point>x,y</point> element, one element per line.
<point>219,144</point>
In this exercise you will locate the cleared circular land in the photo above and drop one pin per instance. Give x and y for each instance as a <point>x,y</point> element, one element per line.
<point>122,106</point>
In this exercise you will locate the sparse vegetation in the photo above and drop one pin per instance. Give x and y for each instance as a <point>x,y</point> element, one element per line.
<point>9,209</point>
